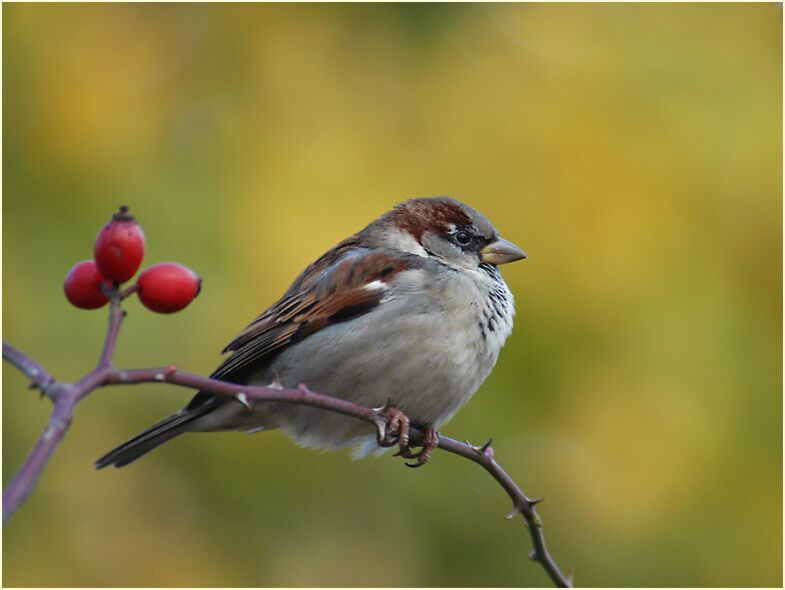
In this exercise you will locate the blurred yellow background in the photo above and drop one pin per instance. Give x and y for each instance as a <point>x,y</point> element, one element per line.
<point>634,152</point>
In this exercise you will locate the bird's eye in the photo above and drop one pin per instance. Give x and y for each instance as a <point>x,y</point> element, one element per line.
<point>463,238</point>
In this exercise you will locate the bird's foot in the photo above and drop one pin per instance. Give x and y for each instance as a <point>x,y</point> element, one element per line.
<point>429,443</point>
<point>394,429</point>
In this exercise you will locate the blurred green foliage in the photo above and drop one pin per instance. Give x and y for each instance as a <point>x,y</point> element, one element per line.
<point>634,151</point>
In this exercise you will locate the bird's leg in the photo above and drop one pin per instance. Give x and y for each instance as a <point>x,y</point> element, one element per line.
<point>429,443</point>
<point>395,430</point>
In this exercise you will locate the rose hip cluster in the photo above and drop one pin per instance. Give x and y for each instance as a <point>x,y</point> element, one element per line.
<point>118,251</point>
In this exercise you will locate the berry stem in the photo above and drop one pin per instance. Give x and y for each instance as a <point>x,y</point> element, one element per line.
<point>129,291</point>
<point>116,315</point>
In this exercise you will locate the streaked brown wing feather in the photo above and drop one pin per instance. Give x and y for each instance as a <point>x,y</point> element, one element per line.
<point>329,291</point>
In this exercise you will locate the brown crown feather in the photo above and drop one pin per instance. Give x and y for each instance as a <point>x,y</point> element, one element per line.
<point>432,214</point>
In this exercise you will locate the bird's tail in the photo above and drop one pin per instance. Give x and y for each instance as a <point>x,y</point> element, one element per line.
<point>147,440</point>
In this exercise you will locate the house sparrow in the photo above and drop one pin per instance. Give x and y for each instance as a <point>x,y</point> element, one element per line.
<point>409,313</point>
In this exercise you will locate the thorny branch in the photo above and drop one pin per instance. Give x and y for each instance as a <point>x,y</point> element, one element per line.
<point>66,396</point>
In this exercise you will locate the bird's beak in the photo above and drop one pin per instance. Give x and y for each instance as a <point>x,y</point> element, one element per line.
<point>500,251</point>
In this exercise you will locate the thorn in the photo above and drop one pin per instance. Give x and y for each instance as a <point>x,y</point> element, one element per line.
<point>570,576</point>
<point>532,555</point>
<point>304,388</point>
<point>483,449</point>
<point>515,511</point>
<point>488,451</point>
<point>243,399</point>
<point>535,501</point>
<point>170,370</point>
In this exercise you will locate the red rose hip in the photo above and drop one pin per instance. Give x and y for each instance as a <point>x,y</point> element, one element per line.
<point>83,286</point>
<point>167,287</point>
<point>119,247</point>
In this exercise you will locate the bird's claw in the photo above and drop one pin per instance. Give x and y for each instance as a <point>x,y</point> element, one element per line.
<point>395,430</point>
<point>429,443</point>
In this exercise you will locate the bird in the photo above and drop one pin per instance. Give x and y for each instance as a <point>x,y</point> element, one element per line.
<point>407,315</point>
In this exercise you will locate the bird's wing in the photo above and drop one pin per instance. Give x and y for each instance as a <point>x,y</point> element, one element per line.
<point>334,289</point>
